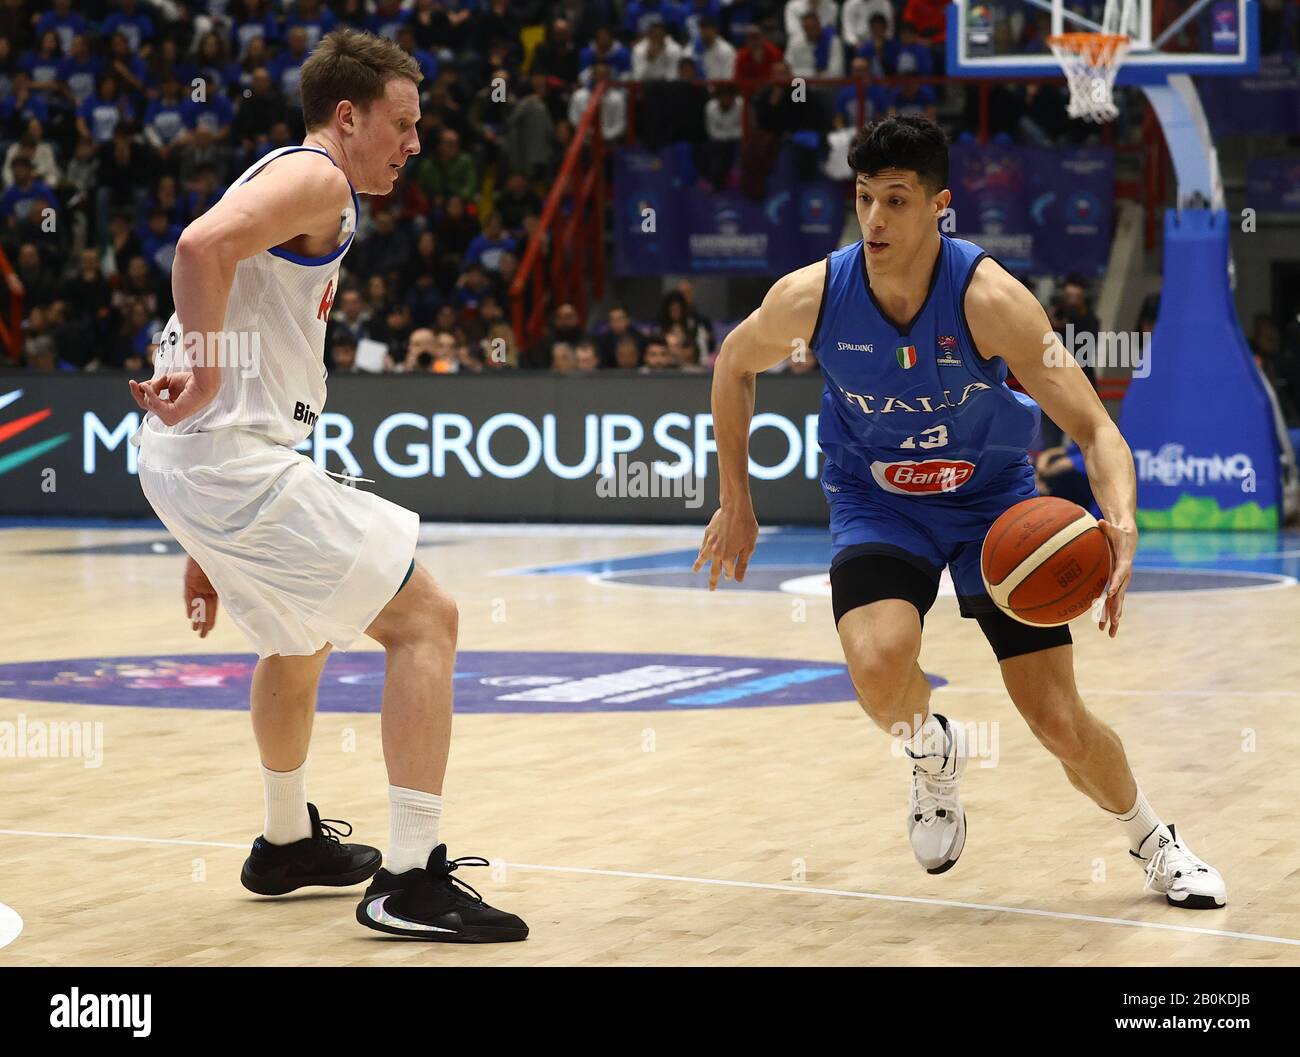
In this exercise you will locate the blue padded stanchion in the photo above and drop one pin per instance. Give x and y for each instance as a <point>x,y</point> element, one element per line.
<point>1200,424</point>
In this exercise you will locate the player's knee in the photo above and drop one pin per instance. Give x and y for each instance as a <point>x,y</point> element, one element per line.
<point>425,617</point>
<point>443,617</point>
<point>882,670</point>
<point>1064,732</point>
<point>433,621</point>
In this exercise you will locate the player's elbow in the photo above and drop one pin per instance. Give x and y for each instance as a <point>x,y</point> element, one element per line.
<point>202,246</point>
<point>730,361</point>
<point>1097,428</point>
<point>193,244</point>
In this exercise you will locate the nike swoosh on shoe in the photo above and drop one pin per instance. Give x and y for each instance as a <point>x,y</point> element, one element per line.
<point>377,911</point>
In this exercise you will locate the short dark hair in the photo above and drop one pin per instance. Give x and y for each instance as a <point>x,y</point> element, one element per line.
<point>902,143</point>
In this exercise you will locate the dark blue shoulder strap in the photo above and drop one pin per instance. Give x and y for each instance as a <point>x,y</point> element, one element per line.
<point>297,258</point>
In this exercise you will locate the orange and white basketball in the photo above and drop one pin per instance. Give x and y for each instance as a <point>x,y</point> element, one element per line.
<point>1045,561</point>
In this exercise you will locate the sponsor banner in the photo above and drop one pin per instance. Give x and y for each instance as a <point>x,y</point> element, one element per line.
<point>1200,423</point>
<point>1225,28</point>
<point>1035,210</point>
<point>514,681</point>
<point>1266,103</point>
<point>1273,183</point>
<point>666,223</point>
<point>490,447</point>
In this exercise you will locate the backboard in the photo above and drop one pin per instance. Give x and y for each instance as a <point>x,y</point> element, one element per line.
<point>1008,38</point>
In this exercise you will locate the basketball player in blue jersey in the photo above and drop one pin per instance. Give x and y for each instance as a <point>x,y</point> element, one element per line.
<point>925,446</point>
<point>301,563</point>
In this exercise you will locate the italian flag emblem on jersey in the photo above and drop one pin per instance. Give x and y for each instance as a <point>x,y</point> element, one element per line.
<point>906,356</point>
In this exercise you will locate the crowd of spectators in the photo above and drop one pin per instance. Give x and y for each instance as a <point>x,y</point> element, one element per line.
<point>121,121</point>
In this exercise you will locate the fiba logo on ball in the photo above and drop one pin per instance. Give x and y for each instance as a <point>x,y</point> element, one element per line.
<point>1069,573</point>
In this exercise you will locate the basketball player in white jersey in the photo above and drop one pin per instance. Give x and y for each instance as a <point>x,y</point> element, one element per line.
<point>927,327</point>
<point>301,562</point>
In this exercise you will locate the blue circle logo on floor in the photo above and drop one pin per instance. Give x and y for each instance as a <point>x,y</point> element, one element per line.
<point>484,682</point>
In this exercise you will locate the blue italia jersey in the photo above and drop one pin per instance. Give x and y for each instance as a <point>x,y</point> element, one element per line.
<point>915,410</point>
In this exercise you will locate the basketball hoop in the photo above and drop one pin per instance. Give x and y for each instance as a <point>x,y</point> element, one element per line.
<point>1090,62</point>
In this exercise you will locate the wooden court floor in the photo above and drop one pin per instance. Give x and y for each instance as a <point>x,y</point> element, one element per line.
<point>758,835</point>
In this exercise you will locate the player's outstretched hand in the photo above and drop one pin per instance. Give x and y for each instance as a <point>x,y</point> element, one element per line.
<point>184,397</point>
<point>200,599</point>
<point>728,542</point>
<point>1123,545</point>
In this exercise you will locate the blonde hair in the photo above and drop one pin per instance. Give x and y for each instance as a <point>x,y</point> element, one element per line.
<point>351,65</point>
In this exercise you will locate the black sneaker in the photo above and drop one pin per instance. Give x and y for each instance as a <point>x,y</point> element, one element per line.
<point>427,905</point>
<point>321,859</point>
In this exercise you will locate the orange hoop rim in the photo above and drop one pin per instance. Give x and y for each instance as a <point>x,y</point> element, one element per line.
<point>1096,46</point>
<point>1090,62</point>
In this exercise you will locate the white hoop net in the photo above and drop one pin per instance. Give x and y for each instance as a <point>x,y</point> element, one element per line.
<point>1090,62</point>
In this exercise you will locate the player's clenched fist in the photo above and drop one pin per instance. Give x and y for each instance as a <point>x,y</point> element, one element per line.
<point>728,542</point>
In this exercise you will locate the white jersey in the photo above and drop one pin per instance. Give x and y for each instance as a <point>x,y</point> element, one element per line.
<point>273,361</point>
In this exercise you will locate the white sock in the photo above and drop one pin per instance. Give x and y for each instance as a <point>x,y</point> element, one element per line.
<point>1140,822</point>
<point>286,805</point>
<point>929,742</point>
<point>413,828</point>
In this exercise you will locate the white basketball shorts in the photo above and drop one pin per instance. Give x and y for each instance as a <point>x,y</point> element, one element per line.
<point>297,558</point>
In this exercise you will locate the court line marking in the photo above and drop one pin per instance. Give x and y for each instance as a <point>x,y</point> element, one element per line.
<point>505,529</point>
<point>533,570</point>
<point>761,886</point>
<point>1271,581</point>
<point>11,924</point>
<point>699,591</point>
<point>128,840</point>
<point>609,579</point>
<point>922,900</point>
<point>1245,557</point>
<point>1208,692</point>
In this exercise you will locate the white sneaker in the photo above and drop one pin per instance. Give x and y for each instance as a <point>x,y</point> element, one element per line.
<point>936,823</point>
<point>1183,877</point>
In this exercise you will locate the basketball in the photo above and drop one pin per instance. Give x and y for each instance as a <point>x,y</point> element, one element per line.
<point>1045,561</point>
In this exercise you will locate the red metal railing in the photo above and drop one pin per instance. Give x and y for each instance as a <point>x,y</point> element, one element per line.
<point>11,332</point>
<point>572,229</point>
